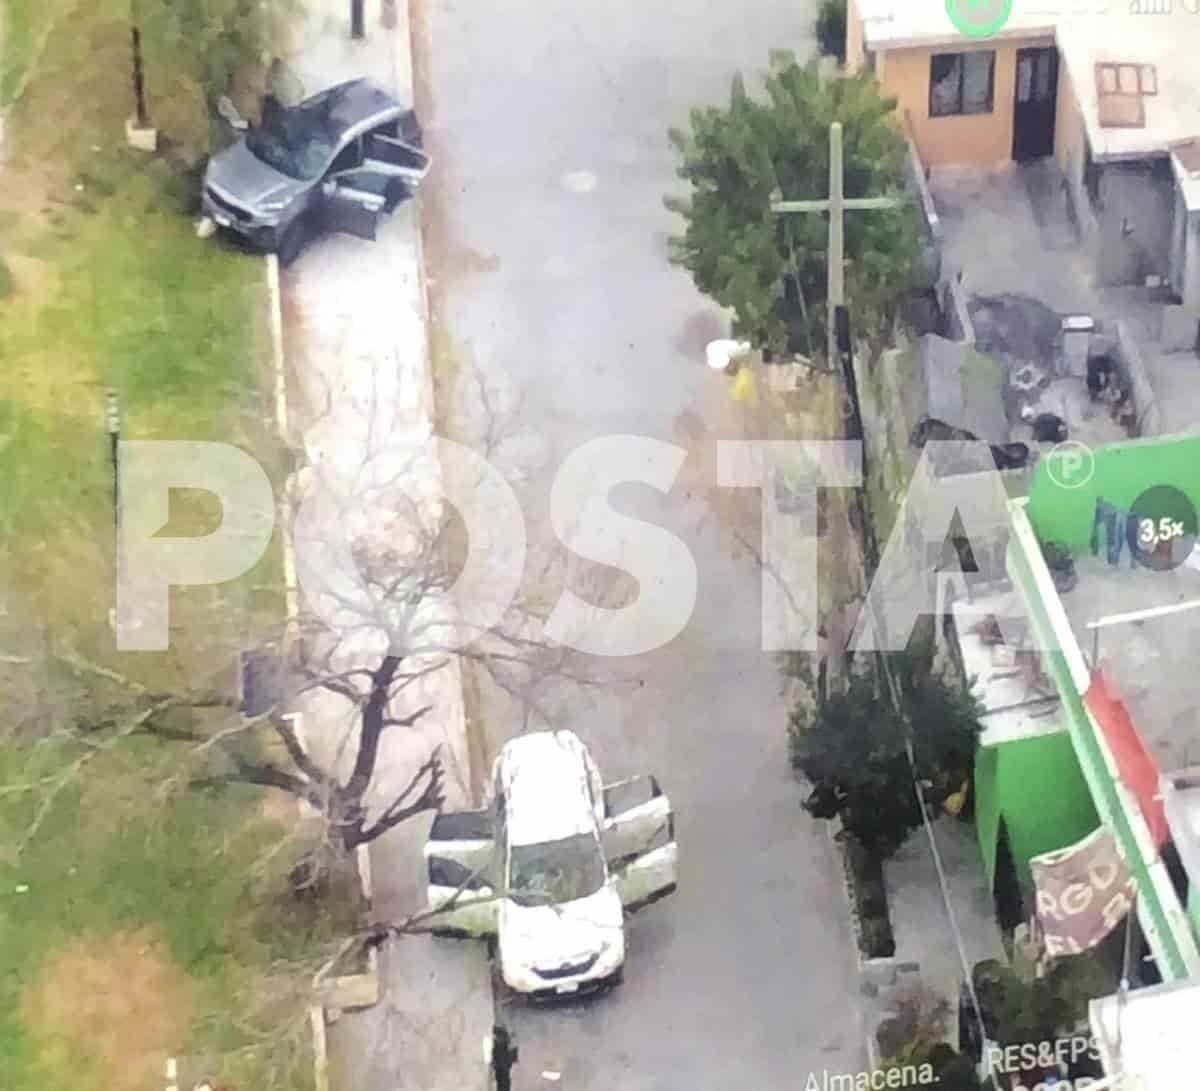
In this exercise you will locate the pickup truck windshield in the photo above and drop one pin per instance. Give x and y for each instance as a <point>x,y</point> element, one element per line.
<point>556,872</point>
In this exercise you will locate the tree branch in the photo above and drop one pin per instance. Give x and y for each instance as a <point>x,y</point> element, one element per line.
<point>287,734</point>
<point>431,799</point>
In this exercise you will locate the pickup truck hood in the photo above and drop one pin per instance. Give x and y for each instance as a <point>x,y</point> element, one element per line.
<point>548,937</point>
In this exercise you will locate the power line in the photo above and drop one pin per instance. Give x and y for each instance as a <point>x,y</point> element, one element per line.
<point>869,557</point>
<point>897,708</point>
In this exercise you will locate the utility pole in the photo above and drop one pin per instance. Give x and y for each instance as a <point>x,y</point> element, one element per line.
<point>357,30</point>
<point>839,343</point>
<point>139,80</point>
<point>836,205</point>
<point>112,425</point>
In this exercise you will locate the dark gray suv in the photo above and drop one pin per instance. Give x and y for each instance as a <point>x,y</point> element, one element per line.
<point>334,162</point>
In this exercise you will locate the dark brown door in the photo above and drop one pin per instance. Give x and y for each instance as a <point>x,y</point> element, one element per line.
<point>1035,103</point>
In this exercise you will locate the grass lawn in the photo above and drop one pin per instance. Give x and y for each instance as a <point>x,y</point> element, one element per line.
<point>111,288</point>
<point>140,933</point>
<point>129,934</point>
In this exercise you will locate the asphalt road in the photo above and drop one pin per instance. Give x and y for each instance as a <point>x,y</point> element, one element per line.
<point>548,125</point>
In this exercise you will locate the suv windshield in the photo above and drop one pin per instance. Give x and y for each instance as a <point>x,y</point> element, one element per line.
<point>555,872</point>
<point>297,142</point>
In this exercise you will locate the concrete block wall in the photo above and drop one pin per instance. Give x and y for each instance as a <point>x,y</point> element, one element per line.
<point>1133,371</point>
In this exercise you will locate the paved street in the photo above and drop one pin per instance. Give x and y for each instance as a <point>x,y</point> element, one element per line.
<point>547,244</point>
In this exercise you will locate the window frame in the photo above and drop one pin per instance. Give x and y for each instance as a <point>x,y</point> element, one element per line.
<point>959,111</point>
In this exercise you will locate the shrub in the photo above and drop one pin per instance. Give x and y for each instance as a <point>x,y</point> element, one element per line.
<point>918,1025</point>
<point>831,29</point>
<point>852,751</point>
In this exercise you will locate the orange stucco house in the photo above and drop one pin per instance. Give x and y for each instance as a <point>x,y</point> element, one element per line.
<point>1109,88</point>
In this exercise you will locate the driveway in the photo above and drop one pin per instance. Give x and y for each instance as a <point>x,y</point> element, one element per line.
<point>547,250</point>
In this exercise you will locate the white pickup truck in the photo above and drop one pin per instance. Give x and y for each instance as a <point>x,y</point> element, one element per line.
<point>553,866</point>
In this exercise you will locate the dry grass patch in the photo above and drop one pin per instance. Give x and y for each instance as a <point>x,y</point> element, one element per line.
<point>111,1009</point>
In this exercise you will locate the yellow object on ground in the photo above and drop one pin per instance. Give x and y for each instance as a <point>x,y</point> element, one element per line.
<point>954,803</point>
<point>743,387</point>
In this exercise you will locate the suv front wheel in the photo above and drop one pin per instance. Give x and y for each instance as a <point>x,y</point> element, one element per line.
<point>292,241</point>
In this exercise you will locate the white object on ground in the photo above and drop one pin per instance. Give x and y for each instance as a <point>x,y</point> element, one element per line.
<point>579,181</point>
<point>1077,336</point>
<point>721,353</point>
<point>552,1076</point>
<point>205,228</point>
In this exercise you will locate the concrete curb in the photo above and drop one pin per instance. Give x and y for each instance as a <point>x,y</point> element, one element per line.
<point>869,969</point>
<point>275,320</point>
<point>316,1020</point>
<point>283,426</point>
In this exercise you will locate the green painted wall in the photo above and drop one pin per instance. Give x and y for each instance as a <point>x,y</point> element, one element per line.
<point>1122,472</point>
<point>987,807</point>
<point>1036,785</point>
<point>1174,964</point>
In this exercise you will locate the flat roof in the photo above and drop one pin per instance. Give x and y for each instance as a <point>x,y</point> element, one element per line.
<point>1151,660</point>
<point>1088,32</point>
<point>546,787</point>
<point>888,24</point>
<point>1014,706</point>
<point>1148,1035</point>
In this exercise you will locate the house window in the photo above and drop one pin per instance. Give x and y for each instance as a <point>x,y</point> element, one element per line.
<point>961,83</point>
<point>1120,91</point>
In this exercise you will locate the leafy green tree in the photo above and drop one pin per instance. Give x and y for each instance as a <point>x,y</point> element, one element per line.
<point>196,52</point>
<point>770,269</point>
<point>852,751</point>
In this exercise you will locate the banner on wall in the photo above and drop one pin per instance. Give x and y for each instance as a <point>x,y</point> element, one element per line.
<point>1083,892</point>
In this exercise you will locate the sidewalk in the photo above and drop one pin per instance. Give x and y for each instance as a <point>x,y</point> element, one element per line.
<point>925,949</point>
<point>359,384</point>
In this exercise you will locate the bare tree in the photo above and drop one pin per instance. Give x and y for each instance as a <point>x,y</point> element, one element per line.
<point>362,683</point>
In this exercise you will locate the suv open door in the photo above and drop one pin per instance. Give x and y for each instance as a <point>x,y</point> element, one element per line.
<point>352,201</point>
<point>388,155</point>
<point>460,857</point>
<point>639,841</point>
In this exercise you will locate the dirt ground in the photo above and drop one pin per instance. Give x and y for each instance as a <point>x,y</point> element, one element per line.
<point>111,1009</point>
